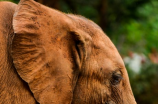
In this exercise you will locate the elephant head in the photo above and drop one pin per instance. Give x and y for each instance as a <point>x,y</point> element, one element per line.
<point>66,58</point>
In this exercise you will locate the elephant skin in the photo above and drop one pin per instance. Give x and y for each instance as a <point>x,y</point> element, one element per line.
<point>50,57</point>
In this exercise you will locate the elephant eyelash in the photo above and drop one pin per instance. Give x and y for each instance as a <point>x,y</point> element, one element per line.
<point>116,78</point>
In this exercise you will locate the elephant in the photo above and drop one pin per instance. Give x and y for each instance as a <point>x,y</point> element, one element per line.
<point>50,57</point>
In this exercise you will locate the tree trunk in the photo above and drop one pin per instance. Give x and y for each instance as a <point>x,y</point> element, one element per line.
<point>102,9</point>
<point>51,3</point>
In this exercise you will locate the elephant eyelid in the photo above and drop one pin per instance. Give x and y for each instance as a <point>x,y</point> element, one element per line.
<point>116,77</point>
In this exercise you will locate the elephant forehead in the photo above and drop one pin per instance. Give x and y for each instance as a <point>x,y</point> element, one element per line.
<point>109,66</point>
<point>102,47</point>
<point>106,53</point>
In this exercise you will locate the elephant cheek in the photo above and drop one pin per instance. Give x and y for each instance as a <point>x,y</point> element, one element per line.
<point>129,99</point>
<point>110,102</point>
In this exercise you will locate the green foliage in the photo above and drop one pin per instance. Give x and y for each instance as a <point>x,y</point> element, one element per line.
<point>145,30</point>
<point>141,35</point>
<point>15,1</point>
<point>145,84</point>
<point>140,32</point>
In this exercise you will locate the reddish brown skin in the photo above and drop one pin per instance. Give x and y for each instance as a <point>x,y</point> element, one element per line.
<point>13,90</point>
<point>49,57</point>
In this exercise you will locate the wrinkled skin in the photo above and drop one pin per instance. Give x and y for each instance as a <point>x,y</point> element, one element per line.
<point>49,57</point>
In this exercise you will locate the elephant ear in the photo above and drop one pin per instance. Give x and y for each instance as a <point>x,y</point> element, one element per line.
<point>83,43</point>
<point>41,54</point>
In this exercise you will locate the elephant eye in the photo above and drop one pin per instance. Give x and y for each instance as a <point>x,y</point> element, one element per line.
<point>116,78</point>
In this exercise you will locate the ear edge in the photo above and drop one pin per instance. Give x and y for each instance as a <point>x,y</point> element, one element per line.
<point>26,16</point>
<point>82,40</point>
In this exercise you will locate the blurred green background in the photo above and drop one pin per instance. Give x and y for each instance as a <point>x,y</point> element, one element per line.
<point>132,25</point>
